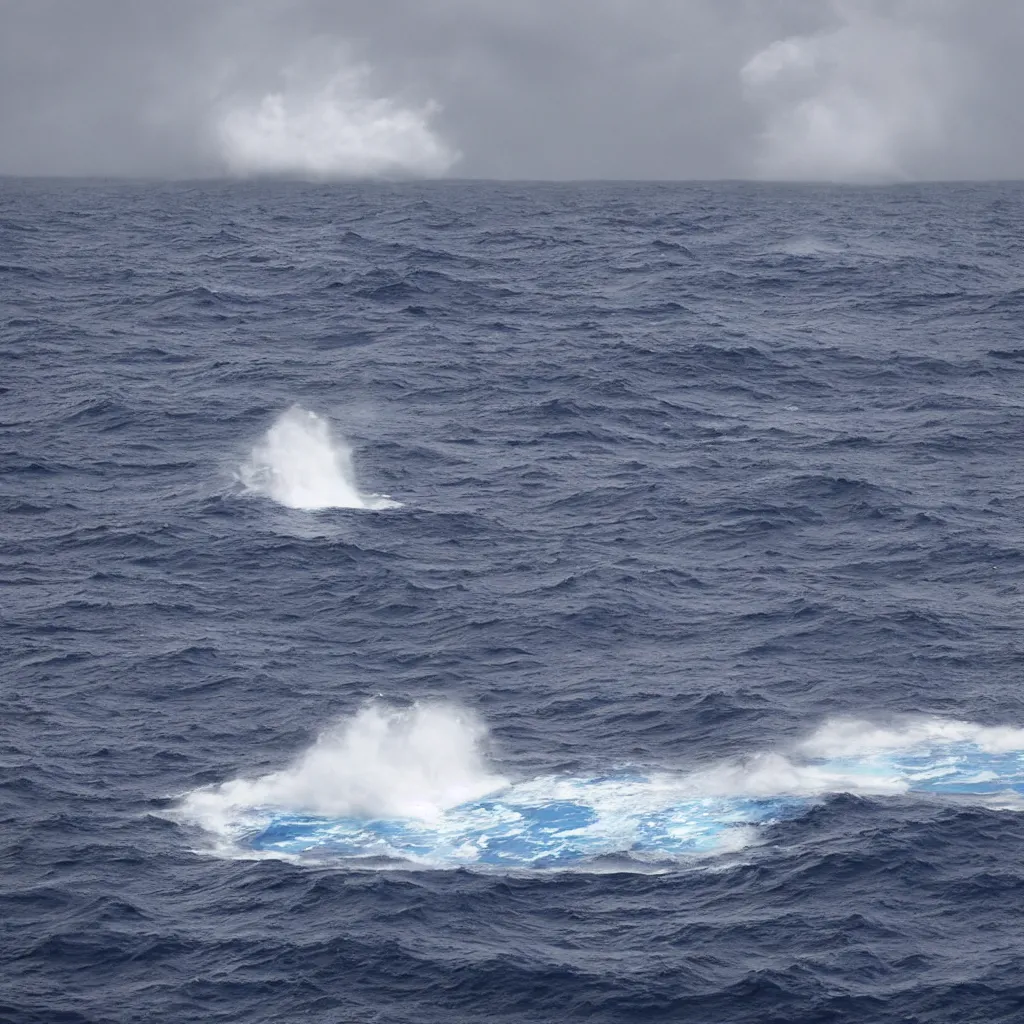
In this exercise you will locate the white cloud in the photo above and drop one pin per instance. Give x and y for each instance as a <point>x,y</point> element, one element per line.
<point>335,129</point>
<point>864,100</point>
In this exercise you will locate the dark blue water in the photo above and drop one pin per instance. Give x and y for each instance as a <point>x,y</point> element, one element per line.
<point>711,512</point>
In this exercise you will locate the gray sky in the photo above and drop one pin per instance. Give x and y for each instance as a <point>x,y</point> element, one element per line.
<point>836,89</point>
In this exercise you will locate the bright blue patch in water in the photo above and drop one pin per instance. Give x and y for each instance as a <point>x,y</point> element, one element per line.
<point>621,815</point>
<point>504,832</point>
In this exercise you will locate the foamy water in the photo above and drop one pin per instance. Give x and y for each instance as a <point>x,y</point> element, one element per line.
<point>415,785</point>
<point>301,464</point>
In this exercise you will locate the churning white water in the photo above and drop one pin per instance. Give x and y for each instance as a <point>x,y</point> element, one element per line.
<point>414,785</point>
<point>382,762</point>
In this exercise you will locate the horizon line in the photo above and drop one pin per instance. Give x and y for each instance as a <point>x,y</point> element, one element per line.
<point>342,180</point>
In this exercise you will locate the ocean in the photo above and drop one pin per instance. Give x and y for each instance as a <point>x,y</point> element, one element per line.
<point>465,601</point>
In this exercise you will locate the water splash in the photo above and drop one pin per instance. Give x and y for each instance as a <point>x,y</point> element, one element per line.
<point>400,763</point>
<point>301,465</point>
<point>414,787</point>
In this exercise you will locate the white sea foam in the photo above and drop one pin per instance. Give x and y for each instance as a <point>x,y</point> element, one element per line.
<point>299,463</point>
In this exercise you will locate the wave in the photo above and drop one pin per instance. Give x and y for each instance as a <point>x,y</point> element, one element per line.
<point>414,786</point>
<point>301,465</point>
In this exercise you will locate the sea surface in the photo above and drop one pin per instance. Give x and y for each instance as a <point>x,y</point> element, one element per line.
<point>453,602</point>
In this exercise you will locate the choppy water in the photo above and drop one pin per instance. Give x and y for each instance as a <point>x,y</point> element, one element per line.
<point>461,602</point>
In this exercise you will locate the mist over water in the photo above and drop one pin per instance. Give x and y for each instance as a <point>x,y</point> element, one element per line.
<point>654,90</point>
<point>864,100</point>
<point>300,463</point>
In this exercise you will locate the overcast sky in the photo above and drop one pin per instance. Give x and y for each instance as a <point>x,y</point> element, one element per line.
<point>791,89</point>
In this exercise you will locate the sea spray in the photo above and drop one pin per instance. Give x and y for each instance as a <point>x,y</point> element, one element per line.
<point>849,737</point>
<point>382,762</point>
<point>302,465</point>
